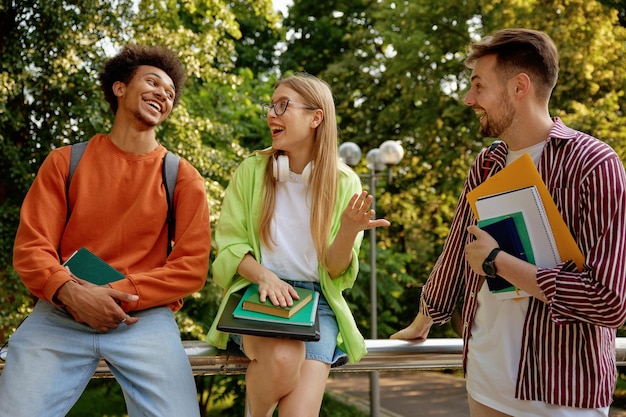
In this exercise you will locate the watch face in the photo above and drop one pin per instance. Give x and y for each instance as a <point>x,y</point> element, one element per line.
<point>489,265</point>
<point>489,268</point>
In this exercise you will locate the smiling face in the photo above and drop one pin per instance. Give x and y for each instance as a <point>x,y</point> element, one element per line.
<point>148,96</point>
<point>294,131</point>
<point>490,99</point>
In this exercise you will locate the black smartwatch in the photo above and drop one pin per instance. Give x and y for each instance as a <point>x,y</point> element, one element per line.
<point>489,265</point>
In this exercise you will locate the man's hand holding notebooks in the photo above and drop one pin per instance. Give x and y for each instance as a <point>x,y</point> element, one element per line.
<point>86,265</point>
<point>512,237</point>
<point>522,173</point>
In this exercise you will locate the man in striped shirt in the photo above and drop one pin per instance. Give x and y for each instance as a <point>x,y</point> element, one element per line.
<point>550,354</point>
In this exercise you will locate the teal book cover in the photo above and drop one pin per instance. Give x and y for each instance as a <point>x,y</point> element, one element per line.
<point>303,317</point>
<point>512,236</point>
<point>88,266</point>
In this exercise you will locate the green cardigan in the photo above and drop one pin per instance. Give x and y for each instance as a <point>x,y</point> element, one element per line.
<point>236,235</point>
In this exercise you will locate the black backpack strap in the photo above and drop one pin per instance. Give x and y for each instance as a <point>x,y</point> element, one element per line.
<point>76,153</point>
<point>170,175</point>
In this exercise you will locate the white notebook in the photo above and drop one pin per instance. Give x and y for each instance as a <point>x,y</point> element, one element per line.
<point>528,201</point>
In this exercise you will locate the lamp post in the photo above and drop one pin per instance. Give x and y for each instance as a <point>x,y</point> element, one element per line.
<point>378,160</point>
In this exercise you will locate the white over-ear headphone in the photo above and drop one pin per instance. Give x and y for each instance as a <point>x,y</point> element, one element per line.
<point>306,172</point>
<point>281,169</point>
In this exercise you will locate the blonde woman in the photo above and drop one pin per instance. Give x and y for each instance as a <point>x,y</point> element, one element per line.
<point>293,216</point>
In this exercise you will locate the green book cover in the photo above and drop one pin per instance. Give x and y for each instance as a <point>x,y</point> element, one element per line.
<point>86,265</point>
<point>253,303</point>
<point>303,317</point>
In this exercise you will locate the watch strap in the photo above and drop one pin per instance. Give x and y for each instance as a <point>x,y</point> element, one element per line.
<point>492,255</point>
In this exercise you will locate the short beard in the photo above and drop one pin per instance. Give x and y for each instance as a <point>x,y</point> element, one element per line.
<point>493,128</point>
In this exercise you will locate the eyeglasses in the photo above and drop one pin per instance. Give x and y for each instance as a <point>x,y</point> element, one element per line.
<point>280,107</point>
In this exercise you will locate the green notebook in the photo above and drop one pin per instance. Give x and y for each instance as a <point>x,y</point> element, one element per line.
<point>303,317</point>
<point>253,303</point>
<point>86,265</point>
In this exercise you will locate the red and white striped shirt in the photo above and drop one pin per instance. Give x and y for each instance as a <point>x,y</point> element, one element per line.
<point>568,344</point>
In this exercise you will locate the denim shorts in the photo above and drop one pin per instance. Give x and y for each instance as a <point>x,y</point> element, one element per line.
<point>325,350</point>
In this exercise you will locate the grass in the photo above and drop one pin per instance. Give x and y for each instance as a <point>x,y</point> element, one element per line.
<point>619,395</point>
<point>331,407</point>
<point>104,398</point>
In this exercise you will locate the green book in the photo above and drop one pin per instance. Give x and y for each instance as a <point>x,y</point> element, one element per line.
<point>305,316</point>
<point>86,265</point>
<point>253,303</point>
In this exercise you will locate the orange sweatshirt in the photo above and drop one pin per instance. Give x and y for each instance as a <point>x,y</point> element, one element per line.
<point>118,212</point>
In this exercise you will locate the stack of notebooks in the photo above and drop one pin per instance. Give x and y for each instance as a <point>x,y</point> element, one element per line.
<point>246,314</point>
<point>516,209</point>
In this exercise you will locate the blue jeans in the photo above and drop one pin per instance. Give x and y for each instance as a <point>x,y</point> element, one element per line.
<point>51,358</point>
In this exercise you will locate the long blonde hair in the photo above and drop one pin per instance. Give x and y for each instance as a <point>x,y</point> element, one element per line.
<point>323,183</point>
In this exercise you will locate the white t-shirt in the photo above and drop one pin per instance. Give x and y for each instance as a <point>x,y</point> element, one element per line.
<point>497,339</point>
<point>293,256</point>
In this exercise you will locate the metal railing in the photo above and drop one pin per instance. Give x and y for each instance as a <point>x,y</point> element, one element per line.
<point>383,355</point>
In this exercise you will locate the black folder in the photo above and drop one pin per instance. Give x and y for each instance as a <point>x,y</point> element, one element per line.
<point>229,324</point>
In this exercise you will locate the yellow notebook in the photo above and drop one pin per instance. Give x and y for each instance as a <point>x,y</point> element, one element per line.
<point>523,173</point>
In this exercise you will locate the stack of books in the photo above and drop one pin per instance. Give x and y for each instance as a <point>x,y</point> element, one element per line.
<point>515,207</point>
<point>246,314</point>
<point>250,307</point>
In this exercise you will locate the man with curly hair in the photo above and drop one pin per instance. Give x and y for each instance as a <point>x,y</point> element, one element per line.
<point>116,207</point>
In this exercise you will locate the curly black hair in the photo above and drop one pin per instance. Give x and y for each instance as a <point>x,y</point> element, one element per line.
<point>122,67</point>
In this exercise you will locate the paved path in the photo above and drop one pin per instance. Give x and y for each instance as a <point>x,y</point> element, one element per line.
<point>409,393</point>
<point>403,394</point>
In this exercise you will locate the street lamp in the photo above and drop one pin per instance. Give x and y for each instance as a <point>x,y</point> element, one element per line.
<point>378,160</point>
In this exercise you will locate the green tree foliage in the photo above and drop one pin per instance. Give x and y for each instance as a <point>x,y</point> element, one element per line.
<point>260,30</point>
<point>592,80</point>
<point>397,73</point>
<point>321,32</point>
<point>619,6</point>
<point>401,79</point>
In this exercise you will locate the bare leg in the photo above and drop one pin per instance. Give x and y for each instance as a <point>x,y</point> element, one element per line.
<point>306,398</point>
<point>273,372</point>
<point>480,410</point>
